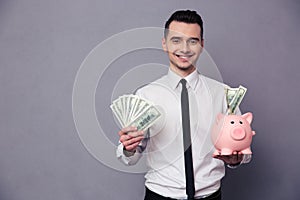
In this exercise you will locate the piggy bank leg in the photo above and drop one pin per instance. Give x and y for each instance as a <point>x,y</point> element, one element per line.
<point>246,151</point>
<point>226,151</point>
<point>216,153</point>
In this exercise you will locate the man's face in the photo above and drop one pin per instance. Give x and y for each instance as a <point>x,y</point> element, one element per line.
<point>184,45</point>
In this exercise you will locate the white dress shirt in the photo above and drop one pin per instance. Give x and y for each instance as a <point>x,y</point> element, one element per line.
<point>164,144</point>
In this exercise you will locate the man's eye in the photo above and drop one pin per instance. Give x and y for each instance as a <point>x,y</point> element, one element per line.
<point>193,42</point>
<point>175,41</point>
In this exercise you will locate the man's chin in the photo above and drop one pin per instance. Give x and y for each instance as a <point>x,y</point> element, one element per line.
<point>185,68</point>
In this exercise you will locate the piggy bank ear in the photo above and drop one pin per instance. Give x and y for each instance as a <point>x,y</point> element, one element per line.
<point>219,117</point>
<point>248,116</point>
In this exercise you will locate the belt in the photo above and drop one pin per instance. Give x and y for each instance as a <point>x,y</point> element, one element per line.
<point>150,195</point>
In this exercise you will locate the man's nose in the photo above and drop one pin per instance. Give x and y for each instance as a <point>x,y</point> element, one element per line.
<point>185,47</point>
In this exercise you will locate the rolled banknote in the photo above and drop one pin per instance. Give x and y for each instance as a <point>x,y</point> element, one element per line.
<point>236,99</point>
<point>230,93</point>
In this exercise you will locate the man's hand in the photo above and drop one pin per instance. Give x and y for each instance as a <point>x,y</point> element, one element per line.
<point>233,159</point>
<point>130,138</point>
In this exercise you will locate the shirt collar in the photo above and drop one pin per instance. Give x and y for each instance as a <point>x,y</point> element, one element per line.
<point>192,79</point>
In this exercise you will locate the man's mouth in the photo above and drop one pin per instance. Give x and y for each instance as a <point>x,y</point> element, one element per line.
<point>184,56</point>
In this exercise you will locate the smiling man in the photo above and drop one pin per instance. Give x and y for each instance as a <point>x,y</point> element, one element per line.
<point>183,43</point>
<point>178,147</point>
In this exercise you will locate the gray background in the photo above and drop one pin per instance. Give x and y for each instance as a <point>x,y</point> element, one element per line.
<point>42,44</point>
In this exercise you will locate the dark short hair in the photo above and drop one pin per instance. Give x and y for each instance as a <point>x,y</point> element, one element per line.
<point>186,16</point>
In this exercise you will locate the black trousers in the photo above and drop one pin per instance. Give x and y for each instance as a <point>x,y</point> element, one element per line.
<point>154,196</point>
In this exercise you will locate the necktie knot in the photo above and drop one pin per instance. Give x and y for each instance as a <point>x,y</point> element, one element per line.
<point>183,82</point>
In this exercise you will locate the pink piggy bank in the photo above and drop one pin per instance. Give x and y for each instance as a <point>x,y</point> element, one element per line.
<point>232,133</point>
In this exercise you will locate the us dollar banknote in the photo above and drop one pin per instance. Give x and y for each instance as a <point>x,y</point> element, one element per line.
<point>230,93</point>
<point>132,110</point>
<point>234,97</point>
<point>146,119</point>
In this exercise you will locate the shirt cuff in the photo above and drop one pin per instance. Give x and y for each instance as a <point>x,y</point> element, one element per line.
<point>127,160</point>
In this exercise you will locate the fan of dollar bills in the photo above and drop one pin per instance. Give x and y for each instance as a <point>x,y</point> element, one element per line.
<point>234,97</point>
<point>132,110</point>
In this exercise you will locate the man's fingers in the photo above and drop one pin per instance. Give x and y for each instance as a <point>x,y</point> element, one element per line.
<point>132,143</point>
<point>126,130</point>
<point>130,139</point>
<point>135,134</point>
<point>129,135</point>
<point>132,146</point>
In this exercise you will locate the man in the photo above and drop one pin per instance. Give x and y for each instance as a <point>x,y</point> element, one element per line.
<point>165,143</point>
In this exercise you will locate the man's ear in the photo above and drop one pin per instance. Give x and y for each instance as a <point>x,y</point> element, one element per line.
<point>164,45</point>
<point>202,43</point>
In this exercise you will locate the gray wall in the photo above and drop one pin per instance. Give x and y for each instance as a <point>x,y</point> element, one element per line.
<point>43,43</point>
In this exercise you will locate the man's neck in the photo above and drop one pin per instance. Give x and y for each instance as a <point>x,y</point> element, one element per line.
<point>183,73</point>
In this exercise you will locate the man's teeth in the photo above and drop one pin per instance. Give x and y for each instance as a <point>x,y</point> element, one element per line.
<point>181,56</point>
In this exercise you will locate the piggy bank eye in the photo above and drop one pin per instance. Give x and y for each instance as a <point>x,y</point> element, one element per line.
<point>232,122</point>
<point>241,122</point>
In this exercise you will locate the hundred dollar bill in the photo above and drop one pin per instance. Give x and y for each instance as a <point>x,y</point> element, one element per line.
<point>146,119</point>
<point>127,108</point>
<point>117,114</point>
<point>236,100</point>
<point>133,99</point>
<point>230,93</point>
<point>141,107</point>
<point>122,103</point>
<point>118,107</point>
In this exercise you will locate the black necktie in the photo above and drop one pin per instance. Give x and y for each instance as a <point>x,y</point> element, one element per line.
<point>188,158</point>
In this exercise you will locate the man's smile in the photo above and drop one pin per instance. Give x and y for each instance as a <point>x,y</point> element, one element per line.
<point>183,57</point>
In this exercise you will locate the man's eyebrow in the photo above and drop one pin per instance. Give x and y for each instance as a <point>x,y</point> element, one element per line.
<point>191,38</point>
<point>175,37</point>
<point>194,38</point>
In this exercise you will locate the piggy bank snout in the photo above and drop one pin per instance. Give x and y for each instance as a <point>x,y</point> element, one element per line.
<point>238,133</point>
